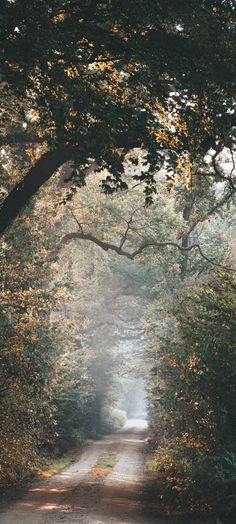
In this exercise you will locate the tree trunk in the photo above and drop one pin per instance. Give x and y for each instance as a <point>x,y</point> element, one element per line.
<point>185,237</point>
<point>20,195</point>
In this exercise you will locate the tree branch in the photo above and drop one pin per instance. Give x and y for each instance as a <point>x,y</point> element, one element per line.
<point>77,221</point>
<point>106,246</point>
<point>20,139</point>
<point>42,171</point>
<point>129,222</point>
<point>182,249</point>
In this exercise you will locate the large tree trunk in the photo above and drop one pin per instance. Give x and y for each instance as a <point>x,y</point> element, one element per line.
<point>35,178</point>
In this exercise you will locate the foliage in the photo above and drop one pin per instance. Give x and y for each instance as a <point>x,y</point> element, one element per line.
<point>113,419</point>
<point>28,352</point>
<point>193,388</point>
<point>91,80</point>
<point>55,381</point>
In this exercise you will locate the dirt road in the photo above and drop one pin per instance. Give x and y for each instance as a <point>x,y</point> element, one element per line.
<point>82,495</point>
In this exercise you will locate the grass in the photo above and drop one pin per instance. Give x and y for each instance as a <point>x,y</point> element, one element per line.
<point>104,465</point>
<point>54,466</point>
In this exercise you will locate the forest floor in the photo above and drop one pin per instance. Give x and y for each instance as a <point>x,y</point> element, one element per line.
<point>104,486</point>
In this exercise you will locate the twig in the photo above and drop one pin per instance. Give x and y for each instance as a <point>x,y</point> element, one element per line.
<point>129,222</point>
<point>76,220</point>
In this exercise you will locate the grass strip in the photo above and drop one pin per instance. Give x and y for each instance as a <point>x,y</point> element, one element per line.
<point>104,465</point>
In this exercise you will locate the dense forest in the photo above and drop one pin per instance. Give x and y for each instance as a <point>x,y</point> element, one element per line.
<point>117,222</point>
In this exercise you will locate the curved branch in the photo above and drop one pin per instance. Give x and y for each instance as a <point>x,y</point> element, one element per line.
<point>106,246</point>
<point>87,236</point>
<point>182,249</point>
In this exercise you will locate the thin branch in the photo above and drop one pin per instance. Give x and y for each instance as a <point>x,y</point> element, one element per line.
<point>129,222</point>
<point>77,221</point>
<point>233,163</point>
<point>182,249</point>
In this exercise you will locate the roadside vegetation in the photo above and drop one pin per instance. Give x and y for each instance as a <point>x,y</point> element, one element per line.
<point>117,250</point>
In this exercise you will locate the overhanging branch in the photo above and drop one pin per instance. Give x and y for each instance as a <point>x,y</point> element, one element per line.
<point>106,246</point>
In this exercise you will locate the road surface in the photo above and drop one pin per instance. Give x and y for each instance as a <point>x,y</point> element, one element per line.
<point>78,495</point>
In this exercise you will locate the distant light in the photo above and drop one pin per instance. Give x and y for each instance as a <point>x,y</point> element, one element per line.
<point>4,245</point>
<point>230,111</point>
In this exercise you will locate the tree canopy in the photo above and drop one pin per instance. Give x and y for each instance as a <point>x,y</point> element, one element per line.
<point>90,80</point>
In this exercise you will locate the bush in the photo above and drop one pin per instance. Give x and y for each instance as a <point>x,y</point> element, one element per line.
<point>113,419</point>
<point>196,464</point>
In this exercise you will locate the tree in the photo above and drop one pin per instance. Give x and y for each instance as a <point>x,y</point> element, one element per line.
<point>90,80</point>
<point>195,363</point>
<point>29,350</point>
<point>190,330</point>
